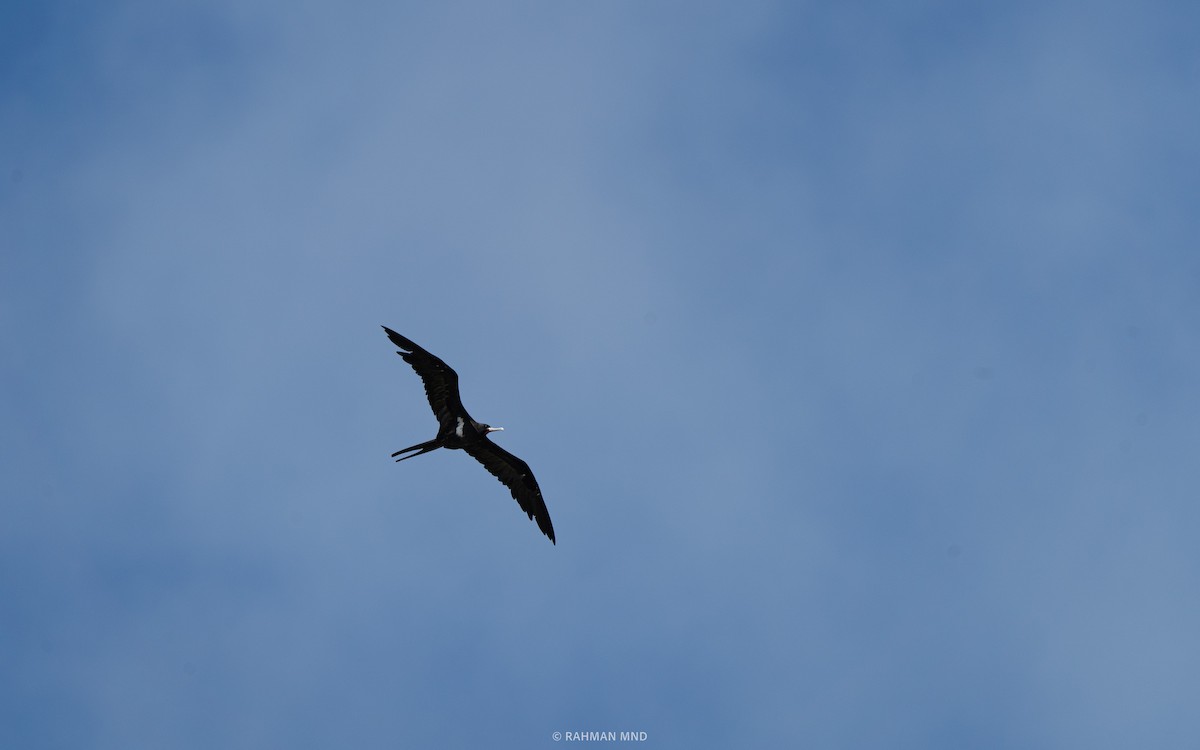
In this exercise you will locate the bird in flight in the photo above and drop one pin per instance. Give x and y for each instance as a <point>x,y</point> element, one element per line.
<point>457,430</point>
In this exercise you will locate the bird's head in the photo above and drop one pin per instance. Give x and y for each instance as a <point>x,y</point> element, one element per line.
<point>482,428</point>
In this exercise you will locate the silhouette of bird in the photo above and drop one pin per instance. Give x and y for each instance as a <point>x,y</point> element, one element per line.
<point>456,429</point>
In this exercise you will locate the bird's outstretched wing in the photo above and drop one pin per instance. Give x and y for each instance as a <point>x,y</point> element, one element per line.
<point>515,474</point>
<point>441,382</point>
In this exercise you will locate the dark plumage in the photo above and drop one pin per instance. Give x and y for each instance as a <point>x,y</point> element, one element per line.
<point>456,429</point>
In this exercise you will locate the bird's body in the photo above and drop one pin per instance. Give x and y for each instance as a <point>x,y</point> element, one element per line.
<point>458,431</point>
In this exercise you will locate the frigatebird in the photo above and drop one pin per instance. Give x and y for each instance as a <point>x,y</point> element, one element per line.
<point>456,429</point>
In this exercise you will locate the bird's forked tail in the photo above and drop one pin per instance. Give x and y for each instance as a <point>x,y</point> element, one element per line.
<point>428,445</point>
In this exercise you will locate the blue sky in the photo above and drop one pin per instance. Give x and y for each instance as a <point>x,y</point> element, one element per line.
<point>854,346</point>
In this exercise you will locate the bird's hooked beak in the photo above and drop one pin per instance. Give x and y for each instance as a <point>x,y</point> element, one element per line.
<point>494,429</point>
